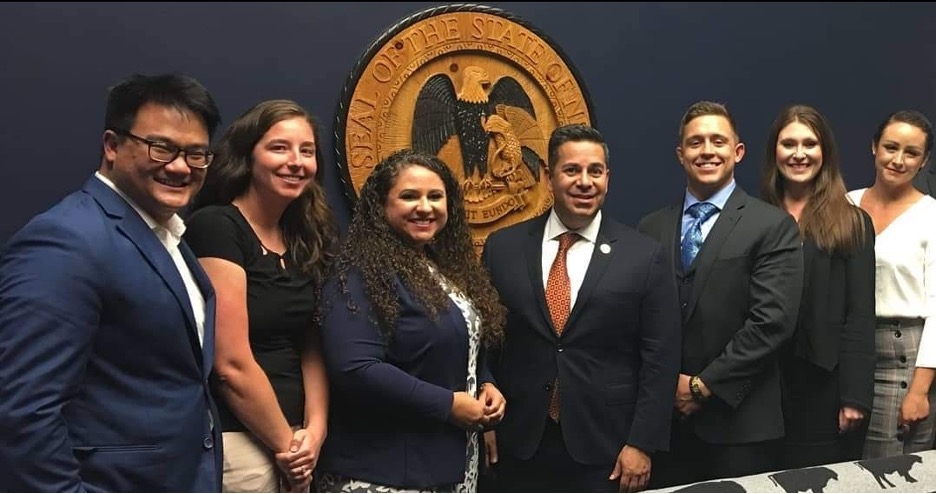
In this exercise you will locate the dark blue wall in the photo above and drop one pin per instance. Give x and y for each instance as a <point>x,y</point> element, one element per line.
<point>643,64</point>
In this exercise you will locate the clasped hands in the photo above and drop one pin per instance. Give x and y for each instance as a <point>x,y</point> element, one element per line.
<point>298,463</point>
<point>477,414</point>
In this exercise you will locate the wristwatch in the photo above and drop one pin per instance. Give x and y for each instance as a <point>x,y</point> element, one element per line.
<point>695,388</point>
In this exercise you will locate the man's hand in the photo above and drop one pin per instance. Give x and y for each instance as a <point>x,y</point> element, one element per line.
<point>849,419</point>
<point>684,402</point>
<point>494,403</point>
<point>490,448</point>
<point>632,468</point>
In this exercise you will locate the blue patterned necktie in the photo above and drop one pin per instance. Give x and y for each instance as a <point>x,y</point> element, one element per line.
<point>692,242</point>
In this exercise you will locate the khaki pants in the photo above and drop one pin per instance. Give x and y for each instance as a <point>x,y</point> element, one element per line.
<point>248,465</point>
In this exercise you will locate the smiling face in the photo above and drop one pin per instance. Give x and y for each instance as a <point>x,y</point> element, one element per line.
<point>579,182</point>
<point>284,159</point>
<point>708,153</point>
<point>899,154</point>
<point>416,207</point>
<point>799,153</point>
<point>160,189</point>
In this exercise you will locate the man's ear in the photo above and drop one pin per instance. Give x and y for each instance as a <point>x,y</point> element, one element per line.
<point>739,151</point>
<point>110,140</point>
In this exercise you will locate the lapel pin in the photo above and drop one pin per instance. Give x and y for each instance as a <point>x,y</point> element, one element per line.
<point>604,248</point>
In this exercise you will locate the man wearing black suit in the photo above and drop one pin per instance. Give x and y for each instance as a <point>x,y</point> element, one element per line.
<point>591,353</point>
<point>739,271</point>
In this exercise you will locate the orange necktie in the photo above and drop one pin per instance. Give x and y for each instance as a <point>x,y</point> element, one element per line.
<point>559,300</point>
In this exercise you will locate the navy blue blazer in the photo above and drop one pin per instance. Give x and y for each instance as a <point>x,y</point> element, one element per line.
<point>617,359</point>
<point>103,383</point>
<point>390,401</point>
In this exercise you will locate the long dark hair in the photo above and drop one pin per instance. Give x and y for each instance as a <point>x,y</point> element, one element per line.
<point>308,224</point>
<point>377,251</point>
<point>828,218</point>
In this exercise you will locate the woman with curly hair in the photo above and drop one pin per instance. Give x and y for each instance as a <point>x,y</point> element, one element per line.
<point>405,318</point>
<point>265,235</point>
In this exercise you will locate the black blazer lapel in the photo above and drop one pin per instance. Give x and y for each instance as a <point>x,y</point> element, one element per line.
<point>597,267</point>
<point>533,250</point>
<point>672,229</point>
<point>720,232</point>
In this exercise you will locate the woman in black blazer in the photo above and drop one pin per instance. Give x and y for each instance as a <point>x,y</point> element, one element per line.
<point>828,366</point>
<point>405,319</point>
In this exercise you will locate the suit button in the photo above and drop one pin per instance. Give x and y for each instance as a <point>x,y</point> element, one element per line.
<point>684,305</point>
<point>549,387</point>
<point>903,384</point>
<point>559,349</point>
<point>208,442</point>
<point>896,334</point>
<point>903,359</point>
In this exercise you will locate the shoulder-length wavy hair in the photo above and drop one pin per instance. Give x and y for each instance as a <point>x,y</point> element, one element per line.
<point>834,224</point>
<point>382,256</point>
<point>308,223</point>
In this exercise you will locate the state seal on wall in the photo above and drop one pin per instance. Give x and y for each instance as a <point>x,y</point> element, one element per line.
<point>474,85</point>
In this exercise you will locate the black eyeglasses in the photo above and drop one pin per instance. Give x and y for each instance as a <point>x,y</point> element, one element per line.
<point>165,152</point>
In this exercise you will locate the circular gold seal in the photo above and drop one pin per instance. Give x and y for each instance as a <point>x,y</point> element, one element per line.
<point>475,86</point>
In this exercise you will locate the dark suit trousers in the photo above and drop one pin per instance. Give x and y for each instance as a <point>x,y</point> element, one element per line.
<point>691,459</point>
<point>551,469</point>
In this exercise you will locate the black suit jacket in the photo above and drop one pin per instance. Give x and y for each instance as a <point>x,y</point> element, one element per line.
<point>836,318</point>
<point>925,181</point>
<point>746,286</point>
<point>617,359</point>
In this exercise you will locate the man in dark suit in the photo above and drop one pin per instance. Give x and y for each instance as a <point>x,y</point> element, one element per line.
<point>590,357</point>
<point>739,271</point>
<point>106,318</point>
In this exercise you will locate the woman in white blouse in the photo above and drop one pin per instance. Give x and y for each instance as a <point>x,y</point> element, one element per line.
<point>902,421</point>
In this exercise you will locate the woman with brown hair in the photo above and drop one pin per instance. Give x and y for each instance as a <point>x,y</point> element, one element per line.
<point>828,366</point>
<point>265,235</point>
<point>902,421</point>
<point>407,315</point>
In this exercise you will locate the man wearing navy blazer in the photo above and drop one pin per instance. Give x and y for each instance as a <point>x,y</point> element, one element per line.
<point>615,359</point>
<point>739,272</point>
<point>106,319</point>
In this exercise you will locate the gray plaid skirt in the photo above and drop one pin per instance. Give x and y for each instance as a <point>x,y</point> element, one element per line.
<point>897,341</point>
